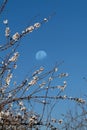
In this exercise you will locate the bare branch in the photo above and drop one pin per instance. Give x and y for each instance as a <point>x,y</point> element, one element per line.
<point>3,6</point>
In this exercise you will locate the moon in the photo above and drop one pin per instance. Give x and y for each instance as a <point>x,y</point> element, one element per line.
<point>40,55</point>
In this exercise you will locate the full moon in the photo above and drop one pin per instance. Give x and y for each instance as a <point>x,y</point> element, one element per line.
<point>40,55</point>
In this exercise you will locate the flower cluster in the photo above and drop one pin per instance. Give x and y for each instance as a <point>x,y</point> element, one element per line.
<point>60,121</point>
<point>22,107</point>
<point>7,32</point>
<point>14,57</point>
<point>33,81</point>
<point>8,79</point>
<point>63,75</point>
<point>42,84</point>
<point>16,36</point>
<point>78,100</point>
<point>33,120</point>
<point>63,87</point>
<point>5,22</point>
<point>38,71</point>
<point>37,25</point>
<point>29,29</point>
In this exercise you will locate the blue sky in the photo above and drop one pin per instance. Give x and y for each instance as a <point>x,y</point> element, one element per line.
<point>64,37</point>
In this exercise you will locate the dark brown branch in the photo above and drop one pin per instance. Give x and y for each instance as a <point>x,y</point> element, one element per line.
<point>3,6</point>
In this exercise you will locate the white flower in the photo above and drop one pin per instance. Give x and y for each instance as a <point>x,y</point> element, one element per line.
<point>19,114</point>
<point>7,113</point>
<point>64,96</point>
<point>30,29</point>
<point>7,31</point>
<point>2,113</point>
<point>32,82</point>
<point>35,77</point>
<point>8,79</point>
<point>15,66</point>
<point>41,69</point>
<point>65,83</point>
<point>34,117</point>
<point>80,100</point>
<point>10,95</point>
<point>53,120</point>
<point>16,36</point>
<point>50,78</point>
<point>21,103</point>
<point>23,108</point>
<point>63,75</point>
<point>37,25</point>
<point>45,19</point>
<point>56,69</point>
<point>61,88</point>
<point>44,102</point>
<point>23,32</point>
<point>5,21</point>
<point>60,121</point>
<point>14,58</point>
<point>38,71</point>
<point>42,84</point>
<point>2,62</point>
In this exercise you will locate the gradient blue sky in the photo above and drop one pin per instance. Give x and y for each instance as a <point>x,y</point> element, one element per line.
<point>64,37</point>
